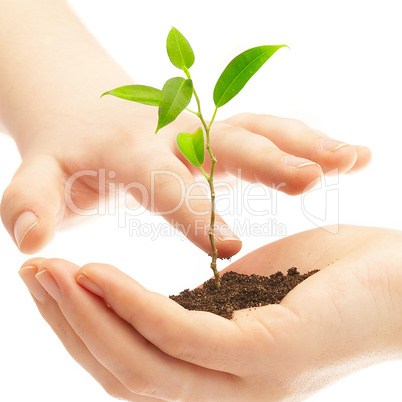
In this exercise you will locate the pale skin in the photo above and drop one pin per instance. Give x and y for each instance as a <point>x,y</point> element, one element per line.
<point>142,346</point>
<point>51,77</point>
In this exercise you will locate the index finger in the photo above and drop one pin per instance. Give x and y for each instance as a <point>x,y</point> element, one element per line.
<point>197,337</point>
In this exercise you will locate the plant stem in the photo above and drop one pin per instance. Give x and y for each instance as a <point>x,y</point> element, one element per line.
<point>210,179</point>
<point>213,216</point>
<point>192,111</point>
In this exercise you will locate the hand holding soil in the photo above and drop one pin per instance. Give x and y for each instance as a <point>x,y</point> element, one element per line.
<point>76,152</point>
<point>141,345</point>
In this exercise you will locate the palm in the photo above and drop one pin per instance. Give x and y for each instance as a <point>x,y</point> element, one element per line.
<point>345,317</point>
<point>342,318</point>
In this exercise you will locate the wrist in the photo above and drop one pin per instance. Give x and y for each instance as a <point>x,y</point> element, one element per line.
<point>53,67</point>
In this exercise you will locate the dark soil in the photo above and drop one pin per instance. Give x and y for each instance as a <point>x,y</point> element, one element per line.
<point>239,291</point>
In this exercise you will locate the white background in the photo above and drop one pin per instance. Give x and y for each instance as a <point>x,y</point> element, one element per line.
<point>341,75</point>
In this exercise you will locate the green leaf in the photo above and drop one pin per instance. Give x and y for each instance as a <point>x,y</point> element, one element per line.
<point>137,93</point>
<point>176,95</point>
<point>179,50</point>
<point>239,71</point>
<point>192,146</point>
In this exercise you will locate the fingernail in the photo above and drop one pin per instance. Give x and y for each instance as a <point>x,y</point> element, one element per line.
<point>25,222</point>
<point>328,144</point>
<point>296,162</point>
<point>88,284</point>
<point>223,233</point>
<point>47,281</point>
<point>27,274</point>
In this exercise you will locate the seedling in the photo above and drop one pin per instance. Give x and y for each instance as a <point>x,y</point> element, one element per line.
<point>176,95</point>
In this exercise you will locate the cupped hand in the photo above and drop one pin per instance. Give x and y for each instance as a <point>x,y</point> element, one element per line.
<point>72,163</point>
<point>141,345</point>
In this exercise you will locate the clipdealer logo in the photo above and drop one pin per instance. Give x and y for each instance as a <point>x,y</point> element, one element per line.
<point>234,198</point>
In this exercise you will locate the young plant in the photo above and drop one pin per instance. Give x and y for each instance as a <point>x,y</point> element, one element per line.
<point>176,95</point>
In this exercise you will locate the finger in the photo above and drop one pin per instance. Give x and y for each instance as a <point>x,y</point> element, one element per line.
<point>201,338</point>
<point>172,192</point>
<point>363,158</point>
<point>309,250</point>
<point>50,311</point>
<point>298,139</point>
<point>31,203</point>
<point>259,160</point>
<point>138,364</point>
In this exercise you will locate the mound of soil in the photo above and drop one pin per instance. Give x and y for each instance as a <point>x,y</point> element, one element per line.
<point>239,291</point>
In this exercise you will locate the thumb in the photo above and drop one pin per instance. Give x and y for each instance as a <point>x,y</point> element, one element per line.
<point>31,203</point>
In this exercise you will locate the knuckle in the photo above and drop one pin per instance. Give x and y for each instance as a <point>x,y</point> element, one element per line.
<point>224,133</point>
<point>113,390</point>
<point>260,162</point>
<point>241,118</point>
<point>58,324</point>
<point>151,162</point>
<point>161,388</point>
<point>300,129</point>
<point>93,266</point>
<point>88,266</point>
<point>175,347</point>
<point>52,263</point>
<point>35,261</point>
<point>138,385</point>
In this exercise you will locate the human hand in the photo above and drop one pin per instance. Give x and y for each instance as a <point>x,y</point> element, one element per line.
<point>143,346</point>
<point>71,164</point>
<point>64,131</point>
